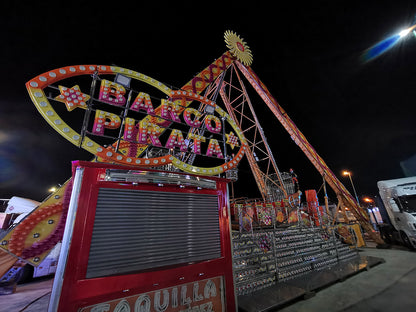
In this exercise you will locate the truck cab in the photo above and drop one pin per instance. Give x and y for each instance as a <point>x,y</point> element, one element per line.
<point>399,199</point>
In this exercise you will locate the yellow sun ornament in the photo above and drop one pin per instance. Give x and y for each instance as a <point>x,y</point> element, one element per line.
<point>238,47</point>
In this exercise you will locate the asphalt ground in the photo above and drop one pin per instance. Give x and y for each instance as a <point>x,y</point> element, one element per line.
<point>389,286</point>
<point>30,297</point>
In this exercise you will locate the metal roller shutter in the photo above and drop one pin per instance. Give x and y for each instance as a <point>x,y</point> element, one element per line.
<point>137,230</point>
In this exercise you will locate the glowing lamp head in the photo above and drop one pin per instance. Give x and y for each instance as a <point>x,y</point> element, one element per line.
<point>346,173</point>
<point>404,32</point>
<point>52,189</point>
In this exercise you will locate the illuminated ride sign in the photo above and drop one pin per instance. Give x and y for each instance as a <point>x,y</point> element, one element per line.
<point>125,119</point>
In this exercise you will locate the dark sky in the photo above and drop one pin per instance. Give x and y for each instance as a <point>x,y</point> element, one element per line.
<point>358,116</point>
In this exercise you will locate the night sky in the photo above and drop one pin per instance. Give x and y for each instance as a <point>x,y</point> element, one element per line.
<point>357,115</point>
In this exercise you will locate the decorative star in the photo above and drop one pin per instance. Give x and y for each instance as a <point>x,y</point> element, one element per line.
<point>232,140</point>
<point>72,97</point>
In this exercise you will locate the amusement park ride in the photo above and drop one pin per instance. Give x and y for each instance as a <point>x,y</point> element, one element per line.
<point>148,140</point>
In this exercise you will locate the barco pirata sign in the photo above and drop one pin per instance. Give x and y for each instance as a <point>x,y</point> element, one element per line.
<point>117,121</point>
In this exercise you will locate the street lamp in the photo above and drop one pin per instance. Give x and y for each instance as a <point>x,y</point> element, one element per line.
<point>388,43</point>
<point>52,189</point>
<point>368,200</point>
<point>348,173</point>
<point>370,209</point>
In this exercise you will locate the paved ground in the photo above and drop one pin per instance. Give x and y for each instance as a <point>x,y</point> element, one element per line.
<point>31,297</point>
<point>389,286</point>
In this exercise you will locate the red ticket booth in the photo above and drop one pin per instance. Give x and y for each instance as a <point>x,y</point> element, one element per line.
<point>142,240</point>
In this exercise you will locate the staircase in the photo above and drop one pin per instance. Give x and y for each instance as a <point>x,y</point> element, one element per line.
<point>267,257</point>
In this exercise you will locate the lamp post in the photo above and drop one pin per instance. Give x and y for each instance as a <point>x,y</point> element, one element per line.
<point>348,173</point>
<point>370,204</point>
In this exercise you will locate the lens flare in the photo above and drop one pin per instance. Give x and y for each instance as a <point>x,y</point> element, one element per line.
<point>381,47</point>
<point>404,32</point>
<point>385,45</point>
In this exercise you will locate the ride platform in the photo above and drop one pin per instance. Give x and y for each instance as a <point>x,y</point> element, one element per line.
<point>305,286</point>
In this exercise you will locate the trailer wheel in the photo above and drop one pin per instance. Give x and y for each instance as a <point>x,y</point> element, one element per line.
<point>406,240</point>
<point>386,235</point>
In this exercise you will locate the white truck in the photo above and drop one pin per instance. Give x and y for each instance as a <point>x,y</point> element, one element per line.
<point>398,198</point>
<point>17,209</point>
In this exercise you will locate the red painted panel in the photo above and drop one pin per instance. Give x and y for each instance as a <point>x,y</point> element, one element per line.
<point>81,293</point>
